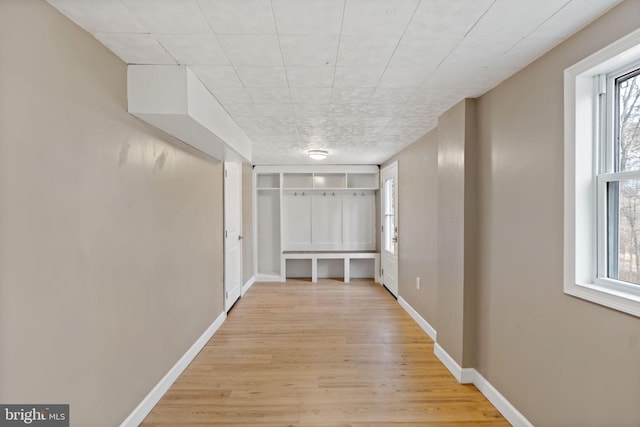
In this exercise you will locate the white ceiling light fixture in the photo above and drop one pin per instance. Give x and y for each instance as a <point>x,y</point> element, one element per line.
<point>318,154</point>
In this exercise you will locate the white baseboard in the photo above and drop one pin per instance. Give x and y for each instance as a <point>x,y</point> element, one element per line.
<point>463,375</point>
<point>154,396</point>
<point>472,376</point>
<point>247,285</point>
<point>500,402</point>
<point>268,278</point>
<point>430,330</point>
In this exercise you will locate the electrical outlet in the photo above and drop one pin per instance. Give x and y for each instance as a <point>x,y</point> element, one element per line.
<point>417,283</point>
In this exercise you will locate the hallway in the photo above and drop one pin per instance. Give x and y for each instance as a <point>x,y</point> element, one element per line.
<point>320,354</point>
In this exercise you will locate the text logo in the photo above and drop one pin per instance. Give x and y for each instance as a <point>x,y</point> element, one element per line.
<point>34,415</point>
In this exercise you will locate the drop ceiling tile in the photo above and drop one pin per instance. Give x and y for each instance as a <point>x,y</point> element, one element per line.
<point>271,140</point>
<point>446,18</point>
<point>275,110</point>
<point>480,51</point>
<point>451,76</point>
<point>422,51</point>
<point>357,76</point>
<point>572,17</point>
<point>508,18</point>
<point>366,50</point>
<point>261,131</point>
<point>305,132</point>
<point>388,109</point>
<point>100,16</point>
<point>391,95</point>
<point>199,49</point>
<point>231,95</point>
<point>309,50</point>
<point>526,51</point>
<point>311,95</point>
<point>266,122</point>
<point>251,49</point>
<point>415,110</point>
<point>252,76</point>
<point>347,109</point>
<point>135,48</point>
<point>310,76</point>
<point>239,17</point>
<point>367,17</point>
<point>375,124</point>
<point>169,16</point>
<point>311,122</point>
<point>342,95</point>
<point>315,17</point>
<point>241,110</point>
<point>411,122</point>
<point>404,77</point>
<point>274,95</point>
<point>307,111</point>
<point>217,76</point>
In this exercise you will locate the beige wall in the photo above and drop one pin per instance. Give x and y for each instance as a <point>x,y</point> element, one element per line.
<point>247,222</point>
<point>560,360</point>
<point>110,231</point>
<point>417,224</point>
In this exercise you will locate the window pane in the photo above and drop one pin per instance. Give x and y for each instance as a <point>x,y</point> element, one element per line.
<point>628,121</point>
<point>623,237</point>
<point>389,216</point>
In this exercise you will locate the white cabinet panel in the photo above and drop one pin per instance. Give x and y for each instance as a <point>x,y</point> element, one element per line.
<point>358,219</point>
<point>268,232</point>
<point>326,222</point>
<point>297,222</point>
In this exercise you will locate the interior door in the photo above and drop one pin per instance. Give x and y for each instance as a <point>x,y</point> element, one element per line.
<point>233,233</point>
<point>389,219</point>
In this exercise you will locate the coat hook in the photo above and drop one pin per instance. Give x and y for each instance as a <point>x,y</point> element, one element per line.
<point>324,194</point>
<point>333,194</point>
<point>354,193</point>
<point>363,193</point>
<point>295,194</point>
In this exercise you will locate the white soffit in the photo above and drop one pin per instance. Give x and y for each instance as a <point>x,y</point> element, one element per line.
<point>172,98</point>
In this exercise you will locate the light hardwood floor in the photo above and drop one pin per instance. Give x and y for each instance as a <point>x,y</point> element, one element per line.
<point>325,354</point>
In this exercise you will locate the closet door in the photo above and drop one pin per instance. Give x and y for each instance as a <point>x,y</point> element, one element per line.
<point>358,221</point>
<point>296,223</point>
<point>326,228</point>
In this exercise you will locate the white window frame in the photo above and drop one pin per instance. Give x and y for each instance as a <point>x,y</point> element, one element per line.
<point>584,214</point>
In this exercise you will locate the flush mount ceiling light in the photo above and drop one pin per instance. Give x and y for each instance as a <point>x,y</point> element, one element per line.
<point>318,154</point>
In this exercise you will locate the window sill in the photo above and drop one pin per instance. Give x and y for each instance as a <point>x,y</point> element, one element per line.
<point>608,293</point>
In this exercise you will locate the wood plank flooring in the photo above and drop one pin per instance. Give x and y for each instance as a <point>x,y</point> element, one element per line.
<point>324,354</point>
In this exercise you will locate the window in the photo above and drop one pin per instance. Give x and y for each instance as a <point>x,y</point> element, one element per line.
<point>390,229</point>
<point>602,177</point>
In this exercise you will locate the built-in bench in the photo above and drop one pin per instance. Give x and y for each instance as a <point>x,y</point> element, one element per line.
<point>314,256</point>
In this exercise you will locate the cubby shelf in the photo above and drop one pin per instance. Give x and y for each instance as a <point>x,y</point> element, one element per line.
<point>312,208</point>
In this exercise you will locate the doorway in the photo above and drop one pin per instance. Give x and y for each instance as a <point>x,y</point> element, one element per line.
<point>389,229</point>
<point>232,233</point>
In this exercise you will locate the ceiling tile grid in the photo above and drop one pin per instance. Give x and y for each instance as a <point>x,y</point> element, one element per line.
<point>359,78</point>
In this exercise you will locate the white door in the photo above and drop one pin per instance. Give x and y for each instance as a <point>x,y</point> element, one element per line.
<point>389,218</point>
<point>232,233</point>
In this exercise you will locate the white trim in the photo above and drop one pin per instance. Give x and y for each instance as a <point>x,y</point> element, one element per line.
<point>248,284</point>
<point>472,376</point>
<point>268,278</point>
<point>500,402</point>
<point>581,140</point>
<point>430,330</point>
<point>154,396</point>
<point>463,375</point>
